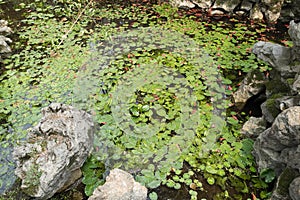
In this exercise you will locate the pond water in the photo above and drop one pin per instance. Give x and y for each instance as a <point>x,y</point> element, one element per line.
<point>275,33</point>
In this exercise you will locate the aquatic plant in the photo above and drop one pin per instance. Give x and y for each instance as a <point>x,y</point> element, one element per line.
<point>158,93</point>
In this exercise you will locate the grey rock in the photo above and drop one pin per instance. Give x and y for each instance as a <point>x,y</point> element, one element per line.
<point>55,150</point>
<point>278,146</point>
<point>294,189</point>
<point>290,10</point>
<point>271,9</point>
<point>275,54</point>
<point>228,6</point>
<point>4,30</point>
<point>281,191</point>
<point>253,84</point>
<point>288,101</point>
<point>254,126</point>
<point>120,185</point>
<point>296,84</point>
<point>294,32</point>
<point>183,3</point>
<point>205,4</point>
<point>270,109</point>
<point>256,13</point>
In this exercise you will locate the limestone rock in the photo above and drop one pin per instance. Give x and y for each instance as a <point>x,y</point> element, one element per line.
<point>296,84</point>
<point>272,9</point>
<point>294,32</point>
<point>270,109</point>
<point>254,126</point>
<point>276,55</point>
<point>253,84</point>
<point>281,191</point>
<point>183,3</point>
<point>56,148</point>
<point>4,30</point>
<point>277,146</point>
<point>120,185</point>
<point>294,189</point>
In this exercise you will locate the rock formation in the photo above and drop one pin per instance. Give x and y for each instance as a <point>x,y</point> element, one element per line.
<point>55,150</point>
<point>277,147</point>
<point>270,10</point>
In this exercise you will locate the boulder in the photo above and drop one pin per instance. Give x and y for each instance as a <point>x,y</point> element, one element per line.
<point>294,189</point>
<point>281,191</point>
<point>296,85</point>
<point>55,150</point>
<point>120,185</point>
<point>4,31</point>
<point>276,55</point>
<point>253,84</point>
<point>277,146</point>
<point>254,126</point>
<point>183,3</point>
<point>294,32</point>
<point>271,9</point>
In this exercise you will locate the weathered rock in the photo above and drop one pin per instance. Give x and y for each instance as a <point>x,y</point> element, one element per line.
<point>270,10</point>
<point>294,189</point>
<point>276,147</point>
<point>256,13</point>
<point>276,55</point>
<point>294,32</point>
<point>120,185</point>
<point>281,191</point>
<point>4,30</point>
<point>270,109</point>
<point>296,85</point>
<point>55,150</point>
<point>253,84</point>
<point>290,11</point>
<point>288,101</point>
<point>254,126</point>
<point>183,3</point>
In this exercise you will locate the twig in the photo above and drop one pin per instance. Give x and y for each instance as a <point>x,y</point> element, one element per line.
<point>79,15</point>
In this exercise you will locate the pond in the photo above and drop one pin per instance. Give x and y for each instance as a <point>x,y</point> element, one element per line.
<point>180,68</point>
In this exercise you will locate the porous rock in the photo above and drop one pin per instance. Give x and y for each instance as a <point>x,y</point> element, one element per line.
<point>294,32</point>
<point>55,150</point>
<point>4,31</point>
<point>281,191</point>
<point>254,126</point>
<point>253,84</point>
<point>276,55</point>
<point>120,185</point>
<point>277,146</point>
<point>294,189</point>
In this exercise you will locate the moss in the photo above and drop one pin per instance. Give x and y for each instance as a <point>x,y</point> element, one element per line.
<point>271,104</point>
<point>290,81</point>
<point>286,177</point>
<point>276,86</point>
<point>32,180</point>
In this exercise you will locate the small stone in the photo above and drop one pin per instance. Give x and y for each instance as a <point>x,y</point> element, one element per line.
<point>120,185</point>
